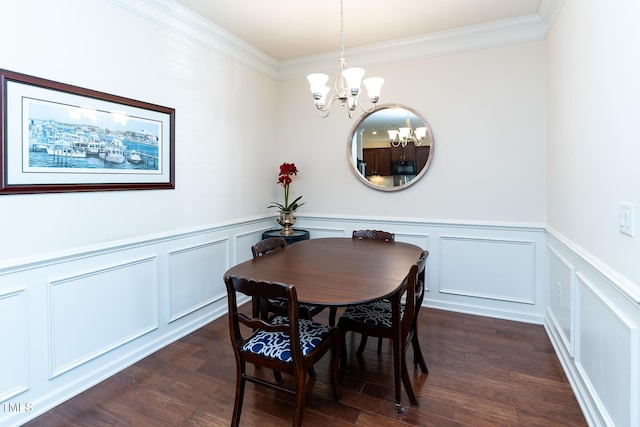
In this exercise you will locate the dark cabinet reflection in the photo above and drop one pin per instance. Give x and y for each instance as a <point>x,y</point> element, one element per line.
<point>390,148</point>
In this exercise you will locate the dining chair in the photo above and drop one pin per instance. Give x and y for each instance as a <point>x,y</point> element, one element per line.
<point>373,235</point>
<point>374,319</point>
<point>273,305</point>
<point>365,235</point>
<point>286,344</point>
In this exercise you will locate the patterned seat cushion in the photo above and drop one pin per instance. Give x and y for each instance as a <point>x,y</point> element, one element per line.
<point>283,304</point>
<point>377,313</point>
<point>277,345</point>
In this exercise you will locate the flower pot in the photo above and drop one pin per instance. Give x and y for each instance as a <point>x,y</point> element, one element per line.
<point>286,220</point>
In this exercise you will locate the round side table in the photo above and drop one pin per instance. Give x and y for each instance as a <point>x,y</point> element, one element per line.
<point>296,236</point>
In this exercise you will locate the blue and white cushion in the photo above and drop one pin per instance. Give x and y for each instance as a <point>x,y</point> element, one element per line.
<point>277,345</point>
<point>377,313</point>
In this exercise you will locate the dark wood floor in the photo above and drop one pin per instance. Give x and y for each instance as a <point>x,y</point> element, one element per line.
<point>482,372</point>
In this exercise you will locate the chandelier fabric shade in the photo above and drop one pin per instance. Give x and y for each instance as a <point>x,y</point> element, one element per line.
<point>347,84</point>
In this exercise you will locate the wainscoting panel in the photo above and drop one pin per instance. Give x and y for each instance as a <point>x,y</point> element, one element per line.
<point>73,319</point>
<point>195,277</point>
<point>607,356</point>
<point>94,312</point>
<point>601,320</point>
<point>488,268</point>
<point>87,313</point>
<point>561,297</point>
<point>13,364</point>
<point>483,269</point>
<point>244,241</point>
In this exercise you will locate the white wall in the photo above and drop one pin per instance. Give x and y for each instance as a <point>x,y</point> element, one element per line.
<point>77,42</point>
<point>594,103</point>
<point>593,317</point>
<point>487,112</point>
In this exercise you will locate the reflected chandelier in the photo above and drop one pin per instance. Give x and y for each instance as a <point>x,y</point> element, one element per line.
<point>347,84</point>
<point>402,136</point>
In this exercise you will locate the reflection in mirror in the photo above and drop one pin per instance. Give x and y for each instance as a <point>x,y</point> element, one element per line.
<point>390,148</point>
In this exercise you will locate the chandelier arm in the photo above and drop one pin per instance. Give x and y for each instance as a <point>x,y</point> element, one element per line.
<point>367,111</point>
<point>324,113</point>
<point>328,104</point>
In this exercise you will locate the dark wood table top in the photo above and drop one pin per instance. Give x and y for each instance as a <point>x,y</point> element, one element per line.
<point>335,271</point>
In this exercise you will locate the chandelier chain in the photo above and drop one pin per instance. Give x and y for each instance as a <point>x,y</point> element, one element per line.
<point>342,27</point>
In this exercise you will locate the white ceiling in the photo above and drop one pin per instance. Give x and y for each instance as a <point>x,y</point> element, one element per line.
<point>285,29</point>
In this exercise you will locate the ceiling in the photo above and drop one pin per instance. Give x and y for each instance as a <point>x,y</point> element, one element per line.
<point>286,29</point>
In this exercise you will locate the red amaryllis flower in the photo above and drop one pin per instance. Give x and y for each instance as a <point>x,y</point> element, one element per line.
<point>287,170</point>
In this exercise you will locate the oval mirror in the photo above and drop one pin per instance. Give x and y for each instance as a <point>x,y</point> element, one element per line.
<point>390,148</point>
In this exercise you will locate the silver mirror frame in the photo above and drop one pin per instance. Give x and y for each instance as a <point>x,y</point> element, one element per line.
<point>352,162</point>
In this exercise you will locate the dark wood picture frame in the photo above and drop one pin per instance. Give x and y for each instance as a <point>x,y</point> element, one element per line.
<point>56,138</point>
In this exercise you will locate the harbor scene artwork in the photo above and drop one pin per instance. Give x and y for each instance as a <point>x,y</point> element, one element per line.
<point>70,137</point>
<point>60,138</point>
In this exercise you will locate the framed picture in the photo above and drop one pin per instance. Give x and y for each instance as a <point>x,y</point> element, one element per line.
<point>61,138</point>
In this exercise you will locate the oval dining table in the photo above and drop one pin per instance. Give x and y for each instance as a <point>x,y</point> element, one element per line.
<point>340,271</point>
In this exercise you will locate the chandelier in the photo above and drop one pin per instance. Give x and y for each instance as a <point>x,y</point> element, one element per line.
<point>347,85</point>
<point>403,136</point>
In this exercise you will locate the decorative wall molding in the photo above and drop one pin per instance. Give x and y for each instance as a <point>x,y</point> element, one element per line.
<point>623,284</point>
<point>177,19</point>
<point>230,244</point>
<point>602,358</point>
<point>562,297</point>
<point>194,281</point>
<point>524,301</point>
<point>91,313</point>
<point>42,260</point>
<point>186,23</point>
<point>608,337</point>
<point>488,268</point>
<point>549,11</point>
<point>14,365</point>
<point>494,34</point>
<point>122,289</point>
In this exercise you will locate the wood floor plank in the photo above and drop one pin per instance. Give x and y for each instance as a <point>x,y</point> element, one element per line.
<point>482,372</point>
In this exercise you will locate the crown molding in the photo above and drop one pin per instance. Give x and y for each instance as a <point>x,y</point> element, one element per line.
<point>500,33</point>
<point>182,21</point>
<point>186,23</point>
<point>549,11</point>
